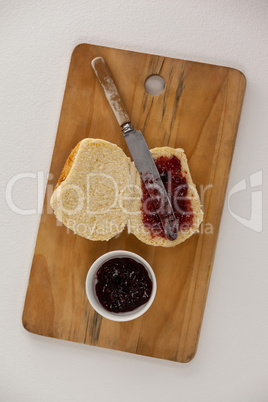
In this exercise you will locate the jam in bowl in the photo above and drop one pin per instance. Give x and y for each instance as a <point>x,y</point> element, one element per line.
<point>120,285</point>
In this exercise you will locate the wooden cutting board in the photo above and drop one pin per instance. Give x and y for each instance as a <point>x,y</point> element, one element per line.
<point>198,111</point>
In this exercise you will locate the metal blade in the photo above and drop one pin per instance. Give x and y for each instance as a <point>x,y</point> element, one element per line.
<point>150,176</point>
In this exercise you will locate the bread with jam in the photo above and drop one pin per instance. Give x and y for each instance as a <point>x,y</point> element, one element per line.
<point>100,193</point>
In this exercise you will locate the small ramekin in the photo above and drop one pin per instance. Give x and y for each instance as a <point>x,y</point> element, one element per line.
<point>91,282</point>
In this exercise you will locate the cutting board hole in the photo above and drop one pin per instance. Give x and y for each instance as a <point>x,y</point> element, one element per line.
<point>155,85</point>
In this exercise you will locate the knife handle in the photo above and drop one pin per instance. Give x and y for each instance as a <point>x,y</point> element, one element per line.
<point>105,78</point>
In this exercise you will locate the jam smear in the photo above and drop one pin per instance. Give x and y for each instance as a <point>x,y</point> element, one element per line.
<point>123,284</point>
<point>176,186</point>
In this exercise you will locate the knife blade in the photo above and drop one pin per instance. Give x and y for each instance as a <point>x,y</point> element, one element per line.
<point>139,151</point>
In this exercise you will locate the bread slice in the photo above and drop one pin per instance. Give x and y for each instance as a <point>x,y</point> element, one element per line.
<point>87,196</point>
<point>99,192</point>
<point>135,223</point>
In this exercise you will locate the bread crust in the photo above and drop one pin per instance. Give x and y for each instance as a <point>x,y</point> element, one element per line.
<point>68,165</point>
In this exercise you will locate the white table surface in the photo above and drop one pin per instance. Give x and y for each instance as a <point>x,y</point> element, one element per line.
<point>37,38</point>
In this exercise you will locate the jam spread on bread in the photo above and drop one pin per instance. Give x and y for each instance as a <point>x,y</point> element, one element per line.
<point>176,186</point>
<point>123,284</point>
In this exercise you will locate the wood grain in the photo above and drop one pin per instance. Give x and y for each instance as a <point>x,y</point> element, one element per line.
<point>199,111</point>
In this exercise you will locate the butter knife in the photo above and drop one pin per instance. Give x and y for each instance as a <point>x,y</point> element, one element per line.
<point>139,151</point>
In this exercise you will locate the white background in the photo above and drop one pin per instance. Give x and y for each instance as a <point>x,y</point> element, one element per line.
<point>36,41</point>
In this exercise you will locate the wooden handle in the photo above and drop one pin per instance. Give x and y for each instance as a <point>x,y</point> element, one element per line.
<point>105,78</point>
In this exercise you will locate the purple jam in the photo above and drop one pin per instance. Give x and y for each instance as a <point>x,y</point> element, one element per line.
<point>123,284</point>
<point>176,186</point>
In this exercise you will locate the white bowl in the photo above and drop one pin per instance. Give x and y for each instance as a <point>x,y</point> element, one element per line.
<point>91,282</point>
